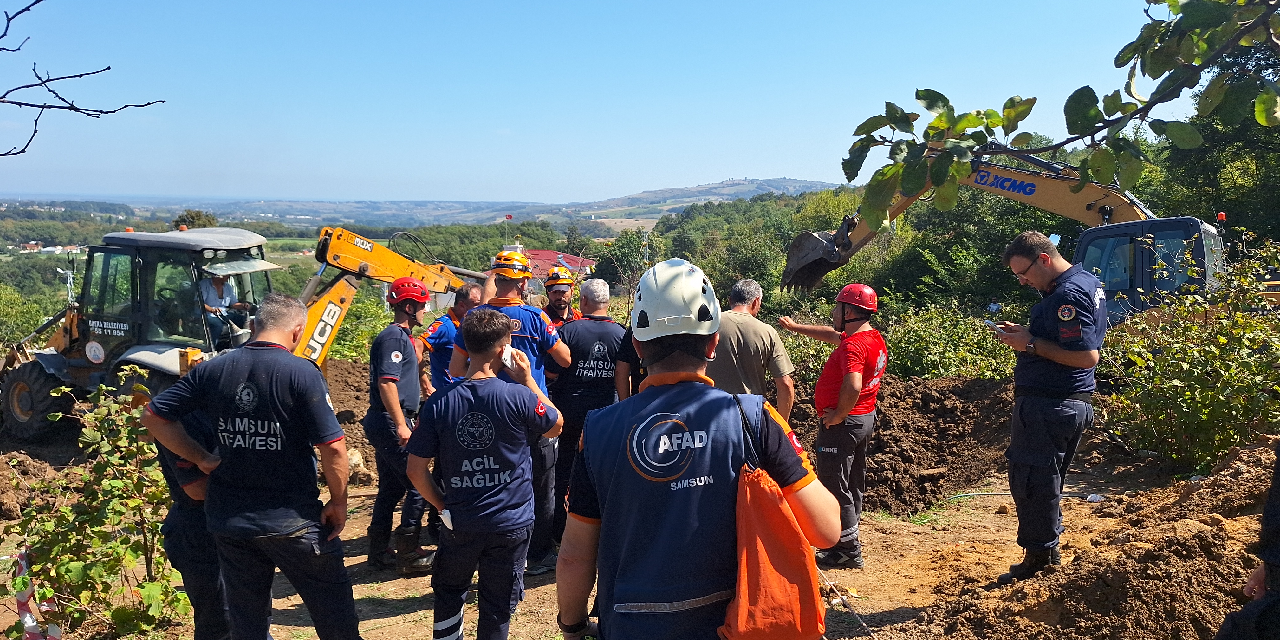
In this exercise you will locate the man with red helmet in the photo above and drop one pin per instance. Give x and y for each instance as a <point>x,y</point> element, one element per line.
<point>559,285</point>
<point>394,396</point>
<point>845,397</point>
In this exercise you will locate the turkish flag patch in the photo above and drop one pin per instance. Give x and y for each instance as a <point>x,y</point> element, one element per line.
<point>795,442</point>
<point>541,409</point>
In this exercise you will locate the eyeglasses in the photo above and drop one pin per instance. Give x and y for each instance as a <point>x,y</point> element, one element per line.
<point>1022,274</point>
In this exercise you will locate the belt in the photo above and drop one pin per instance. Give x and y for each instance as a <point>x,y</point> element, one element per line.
<point>672,607</point>
<point>1033,392</point>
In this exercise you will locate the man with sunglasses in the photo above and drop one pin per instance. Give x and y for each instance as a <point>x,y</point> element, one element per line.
<point>1058,351</point>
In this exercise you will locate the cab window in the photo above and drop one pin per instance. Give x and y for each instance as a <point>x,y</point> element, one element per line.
<point>111,285</point>
<point>1173,255</point>
<point>1111,260</point>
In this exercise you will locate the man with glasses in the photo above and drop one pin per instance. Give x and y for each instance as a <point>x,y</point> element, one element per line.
<point>1053,388</point>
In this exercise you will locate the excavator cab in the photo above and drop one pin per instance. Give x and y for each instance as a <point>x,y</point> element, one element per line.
<point>140,304</point>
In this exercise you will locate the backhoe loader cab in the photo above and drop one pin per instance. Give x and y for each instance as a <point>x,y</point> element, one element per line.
<point>1138,261</point>
<point>139,303</point>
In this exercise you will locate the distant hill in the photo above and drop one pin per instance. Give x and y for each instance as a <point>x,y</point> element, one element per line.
<point>727,190</point>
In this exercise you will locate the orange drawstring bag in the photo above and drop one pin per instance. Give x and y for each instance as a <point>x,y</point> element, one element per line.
<point>777,595</point>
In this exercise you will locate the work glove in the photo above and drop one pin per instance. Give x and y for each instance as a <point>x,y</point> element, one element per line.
<point>591,632</point>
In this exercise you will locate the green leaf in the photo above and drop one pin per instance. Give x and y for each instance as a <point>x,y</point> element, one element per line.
<point>879,194</point>
<point>915,153</point>
<point>960,150</point>
<point>1202,15</point>
<point>946,196</point>
<point>1267,108</point>
<point>1131,87</point>
<point>1111,103</point>
<point>994,119</point>
<point>978,137</point>
<point>1175,82</point>
<point>915,177</point>
<point>932,101</point>
<point>874,123</point>
<point>857,156</point>
<point>941,167</point>
<point>1238,101</point>
<point>1102,165</point>
<point>73,571</point>
<point>1158,126</point>
<point>968,121</point>
<point>1015,110</point>
<point>1131,168</point>
<point>899,119</point>
<point>1021,140</point>
<point>1084,177</point>
<point>898,150</point>
<point>1183,135</point>
<point>1128,53</point>
<point>1081,111</point>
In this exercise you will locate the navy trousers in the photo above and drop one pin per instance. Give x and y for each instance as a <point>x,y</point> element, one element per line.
<point>499,558</point>
<point>842,469</point>
<point>570,434</point>
<point>1044,433</point>
<point>1258,620</point>
<point>393,480</point>
<point>313,566</point>
<point>542,539</point>
<point>194,553</point>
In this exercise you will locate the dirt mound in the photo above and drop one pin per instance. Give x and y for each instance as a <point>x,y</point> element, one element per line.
<point>349,392</point>
<point>1172,566</point>
<point>934,438</point>
<point>17,473</point>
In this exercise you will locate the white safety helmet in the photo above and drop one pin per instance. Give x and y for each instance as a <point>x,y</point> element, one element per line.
<point>673,298</point>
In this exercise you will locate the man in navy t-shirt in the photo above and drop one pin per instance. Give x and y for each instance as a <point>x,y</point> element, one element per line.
<point>439,337</point>
<point>1053,386</point>
<point>478,432</point>
<point>584,386</point>
<point>533,333</point>
<point>394,395</point>
<point>270,408</point>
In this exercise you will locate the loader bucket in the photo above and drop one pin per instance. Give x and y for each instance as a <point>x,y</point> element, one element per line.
<point>812,255</point>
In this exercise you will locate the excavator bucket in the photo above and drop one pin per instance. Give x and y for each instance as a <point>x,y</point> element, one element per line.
<point>811,256</point>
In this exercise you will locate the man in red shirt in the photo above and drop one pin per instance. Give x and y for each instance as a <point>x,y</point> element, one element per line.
<point>845,397</point>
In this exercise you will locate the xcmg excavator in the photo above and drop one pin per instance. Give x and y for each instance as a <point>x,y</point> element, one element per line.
<point>1115,247</point>
<point>139,304</point>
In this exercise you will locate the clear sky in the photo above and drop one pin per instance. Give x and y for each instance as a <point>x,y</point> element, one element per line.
<point>534,101</point>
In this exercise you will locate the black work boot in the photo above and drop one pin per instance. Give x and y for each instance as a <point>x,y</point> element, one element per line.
<point>412,559</point>
<point>1033,562</point>
<point>840,558</point>
<point>380,554</point>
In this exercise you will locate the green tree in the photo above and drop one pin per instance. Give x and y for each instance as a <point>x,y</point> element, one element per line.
<point>628,256</point>
<point>19,315</point>
<point>194,218</point>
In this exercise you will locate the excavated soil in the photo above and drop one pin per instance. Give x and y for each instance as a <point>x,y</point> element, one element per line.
<point>933,439</point>
<point>349,392</point>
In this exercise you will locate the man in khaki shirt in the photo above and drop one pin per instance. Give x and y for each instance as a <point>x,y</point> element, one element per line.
<point>749,349</point>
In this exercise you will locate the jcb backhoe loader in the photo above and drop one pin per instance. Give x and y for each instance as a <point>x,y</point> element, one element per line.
<point>139,304</point>
<point>1120,226</point>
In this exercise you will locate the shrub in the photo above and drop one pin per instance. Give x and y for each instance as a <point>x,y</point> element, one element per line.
<point>94,530</point>
<point>941,340</point>
<point>1196,375</point>
<point>365,319</point>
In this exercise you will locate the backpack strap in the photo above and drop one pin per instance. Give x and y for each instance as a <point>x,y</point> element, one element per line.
<point>750,436</point>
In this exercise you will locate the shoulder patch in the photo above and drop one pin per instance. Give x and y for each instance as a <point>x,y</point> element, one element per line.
<point>396,356</point>
<point>541,409</point>
<point>1066,313</point>
<point>434,325</point>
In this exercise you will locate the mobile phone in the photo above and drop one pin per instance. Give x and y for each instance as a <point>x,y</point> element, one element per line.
<point>993,326</point>
<point>506,356</point>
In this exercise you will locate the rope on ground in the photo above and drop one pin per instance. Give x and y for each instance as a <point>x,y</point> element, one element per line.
<point>1086,496</point>
<point>840,594</point>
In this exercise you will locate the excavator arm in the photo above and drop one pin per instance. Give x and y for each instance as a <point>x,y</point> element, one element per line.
<point>352,257</point>
<point>813,255</point>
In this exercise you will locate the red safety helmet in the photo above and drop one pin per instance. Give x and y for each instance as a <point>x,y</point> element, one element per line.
<point>859,295</point>
<point>407,288</point>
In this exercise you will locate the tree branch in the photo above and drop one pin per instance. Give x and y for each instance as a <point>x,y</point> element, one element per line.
<point>8,20</point>
<point>35,127</point>
<point>1169,94</point>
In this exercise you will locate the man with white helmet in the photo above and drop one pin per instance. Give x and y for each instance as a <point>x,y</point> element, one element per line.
<point>845,397</point>
<point>652,500</point>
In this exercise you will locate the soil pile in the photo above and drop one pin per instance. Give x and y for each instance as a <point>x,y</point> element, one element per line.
<point>349,392</point>
<point>1172,566</point>
<point>934,438</point>
<point>18,471</point>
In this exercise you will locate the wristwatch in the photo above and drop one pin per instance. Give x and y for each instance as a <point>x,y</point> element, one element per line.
<point>571,628</point>
<point>1031,346</point>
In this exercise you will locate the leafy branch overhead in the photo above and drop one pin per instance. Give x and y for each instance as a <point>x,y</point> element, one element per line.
<point>48,96</point>
<point>1175,52</point>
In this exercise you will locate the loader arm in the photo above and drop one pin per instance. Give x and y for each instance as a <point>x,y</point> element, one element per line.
<point>353,257</point>
<point>813,255</point>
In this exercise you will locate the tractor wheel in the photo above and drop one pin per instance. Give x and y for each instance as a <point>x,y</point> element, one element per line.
<point>28,400</point>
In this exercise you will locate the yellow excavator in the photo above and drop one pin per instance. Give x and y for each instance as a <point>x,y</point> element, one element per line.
<point>139,304</point>
<point>1113,248</point>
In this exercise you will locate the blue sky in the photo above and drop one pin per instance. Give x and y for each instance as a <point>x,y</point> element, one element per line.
<point>533,101</point>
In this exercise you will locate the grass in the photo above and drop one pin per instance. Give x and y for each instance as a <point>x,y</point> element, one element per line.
<point>935,515</point>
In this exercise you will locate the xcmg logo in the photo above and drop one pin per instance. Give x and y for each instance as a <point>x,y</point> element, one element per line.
<point>988,179</point>
<point>323,331</point>
<point>362,243</point>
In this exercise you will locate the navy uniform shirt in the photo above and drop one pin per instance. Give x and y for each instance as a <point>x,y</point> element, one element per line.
<point>269,408</point>
<point>179,473</point>
<point>478,431</point>
<point>1073,315</point>
<point>1269,537</point>
<point>627,353</point>
<point>588,381</point>
<point>532,333</point>
<point>438,340</point>
<point>392,357</point>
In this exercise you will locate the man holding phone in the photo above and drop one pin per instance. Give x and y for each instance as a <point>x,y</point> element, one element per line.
<point>1053,389</point>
